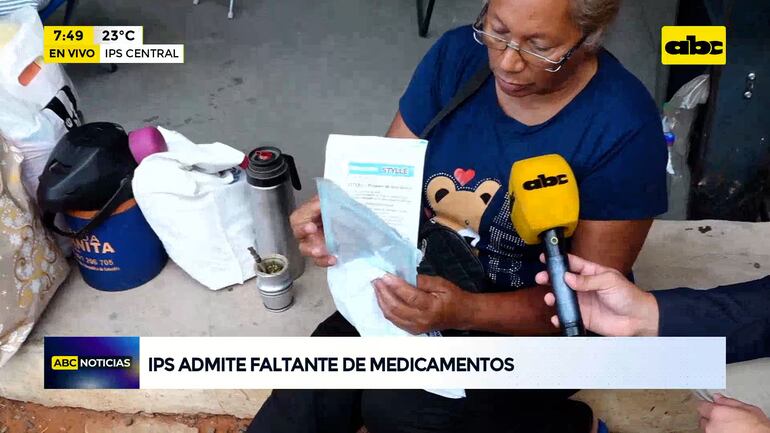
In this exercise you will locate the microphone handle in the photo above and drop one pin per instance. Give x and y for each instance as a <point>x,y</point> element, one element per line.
<point>567,307</point>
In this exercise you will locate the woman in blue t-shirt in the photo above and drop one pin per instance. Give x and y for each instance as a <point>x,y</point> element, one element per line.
<point>552,89</point>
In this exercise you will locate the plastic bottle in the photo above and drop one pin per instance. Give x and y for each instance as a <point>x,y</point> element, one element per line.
<point>670,139</point>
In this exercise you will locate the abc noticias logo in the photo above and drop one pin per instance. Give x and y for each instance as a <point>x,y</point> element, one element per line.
<point>83,362</point>
<point>91,363</point>
<point>694,45</point>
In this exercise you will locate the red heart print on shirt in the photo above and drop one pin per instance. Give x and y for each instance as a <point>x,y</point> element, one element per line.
<point>464,176</point>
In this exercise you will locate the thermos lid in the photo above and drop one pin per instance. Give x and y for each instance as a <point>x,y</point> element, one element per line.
<point>269,167</point>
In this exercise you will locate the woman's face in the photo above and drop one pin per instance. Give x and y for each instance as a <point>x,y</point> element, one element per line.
<point>540,26</point>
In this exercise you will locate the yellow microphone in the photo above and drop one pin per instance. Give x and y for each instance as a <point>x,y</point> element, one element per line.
<point>546,206</point>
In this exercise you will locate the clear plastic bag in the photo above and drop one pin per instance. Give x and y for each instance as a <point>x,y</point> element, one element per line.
<point>678,117</point>
<point>355,232</point>
<point>366,248</point>
<point>679,114</point>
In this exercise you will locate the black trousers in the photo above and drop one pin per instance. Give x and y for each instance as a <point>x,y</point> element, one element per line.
<point>418,411</point>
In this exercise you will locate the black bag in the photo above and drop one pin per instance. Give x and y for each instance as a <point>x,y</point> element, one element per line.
<point>446,254</point>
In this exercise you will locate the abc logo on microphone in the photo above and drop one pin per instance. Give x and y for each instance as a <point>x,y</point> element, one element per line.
<point>543,181</point>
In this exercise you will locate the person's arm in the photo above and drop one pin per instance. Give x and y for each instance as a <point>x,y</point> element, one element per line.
<point>398,128</point>
<point>613,244</point>
<point>612,305</point>
<point>740,312</point>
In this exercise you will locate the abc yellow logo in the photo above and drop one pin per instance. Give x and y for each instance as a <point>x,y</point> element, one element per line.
<point>64,362</point>
<point>694,45</point>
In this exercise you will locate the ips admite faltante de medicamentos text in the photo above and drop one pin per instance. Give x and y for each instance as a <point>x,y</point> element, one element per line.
<point>332,364</point>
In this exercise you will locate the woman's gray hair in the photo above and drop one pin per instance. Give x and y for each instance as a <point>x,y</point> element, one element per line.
<point>593,17</point>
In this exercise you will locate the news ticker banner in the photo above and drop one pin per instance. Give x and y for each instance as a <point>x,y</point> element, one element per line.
<point>105,44</point>
<point>384,363</point>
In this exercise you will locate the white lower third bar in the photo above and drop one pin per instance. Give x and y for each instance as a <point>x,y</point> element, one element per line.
<point>432,363</point>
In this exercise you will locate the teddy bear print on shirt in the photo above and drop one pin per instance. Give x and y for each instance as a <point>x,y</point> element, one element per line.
<point>457,206</point>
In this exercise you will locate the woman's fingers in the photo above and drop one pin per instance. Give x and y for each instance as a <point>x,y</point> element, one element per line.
<point>581,266</point>
<point>727,401</point>
<point>589,283</point>
<point>307,228</point>
<point>325,262</point>
<point>393,307</point>
<point>313,246</point>
<point>703,424</point>
<point>550,299</point>
<point>555,321</point>
<point>705,409</point>
<point>411,296</point>
<point>306,219</point>
<point>388,313</point>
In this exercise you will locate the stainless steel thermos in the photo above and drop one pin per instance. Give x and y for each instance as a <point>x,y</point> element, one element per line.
<point>273,178</point>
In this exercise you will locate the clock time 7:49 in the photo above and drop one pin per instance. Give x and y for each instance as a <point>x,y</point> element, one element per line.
<point>68,35</point>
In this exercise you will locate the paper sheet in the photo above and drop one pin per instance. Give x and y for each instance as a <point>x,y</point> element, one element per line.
<point>384,174</point>
<point>371,204</point>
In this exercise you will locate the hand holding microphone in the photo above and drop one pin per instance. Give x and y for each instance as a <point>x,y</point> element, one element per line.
<point>546,206</point>
<point>609,303</point>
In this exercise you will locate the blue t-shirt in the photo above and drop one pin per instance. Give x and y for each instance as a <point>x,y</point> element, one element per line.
<point>610,134</point>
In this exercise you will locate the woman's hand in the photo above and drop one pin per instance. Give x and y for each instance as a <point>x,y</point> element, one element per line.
<point>308,229</point>
<point>435,303</point>
<point>609,303</point>
<point>727,415</point>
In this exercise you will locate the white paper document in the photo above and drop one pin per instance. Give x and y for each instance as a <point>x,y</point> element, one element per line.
<point>383,174</point>
<point>370,204</point>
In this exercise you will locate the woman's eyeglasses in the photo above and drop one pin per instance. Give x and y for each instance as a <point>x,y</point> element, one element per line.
<point>529,55</point>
